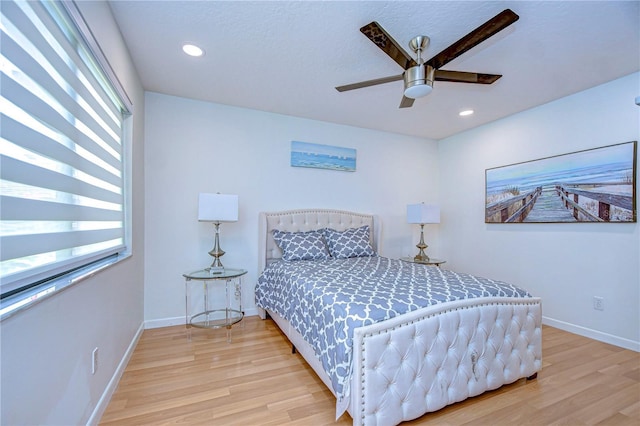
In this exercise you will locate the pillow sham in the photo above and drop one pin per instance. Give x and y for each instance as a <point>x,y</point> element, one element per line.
<point>353,242</point>
<point>309,245</point>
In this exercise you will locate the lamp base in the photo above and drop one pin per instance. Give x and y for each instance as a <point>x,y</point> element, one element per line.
<point>216,252</point>
<point>421,257</point>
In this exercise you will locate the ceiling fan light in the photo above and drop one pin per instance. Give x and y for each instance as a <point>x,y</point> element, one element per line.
<point>418,90</point>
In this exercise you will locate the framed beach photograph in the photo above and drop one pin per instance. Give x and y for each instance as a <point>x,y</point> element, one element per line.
<point>595,185</point>
<point>305,154</point>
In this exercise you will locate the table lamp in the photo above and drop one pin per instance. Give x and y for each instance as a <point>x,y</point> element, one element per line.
<point>217,208</point>
<point>422,214</point>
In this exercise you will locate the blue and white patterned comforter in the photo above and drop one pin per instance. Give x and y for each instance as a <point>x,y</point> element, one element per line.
<point>326,299</point>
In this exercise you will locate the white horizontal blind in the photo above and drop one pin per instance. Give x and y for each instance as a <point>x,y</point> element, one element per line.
<point>61,154</point>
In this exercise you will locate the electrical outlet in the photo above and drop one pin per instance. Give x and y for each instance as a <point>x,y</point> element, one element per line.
<point>94,361</point>
<point>598,303</point>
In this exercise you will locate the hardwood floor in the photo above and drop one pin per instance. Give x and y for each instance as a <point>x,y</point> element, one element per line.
<point>256,380</point>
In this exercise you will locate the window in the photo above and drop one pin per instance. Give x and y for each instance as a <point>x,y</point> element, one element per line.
<point>62,183</point>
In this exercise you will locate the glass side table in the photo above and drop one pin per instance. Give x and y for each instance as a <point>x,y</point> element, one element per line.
<point>207,316</point>
<point>431,261</point>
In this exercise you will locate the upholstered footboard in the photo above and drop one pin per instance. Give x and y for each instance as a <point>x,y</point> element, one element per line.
<point>425,360</point>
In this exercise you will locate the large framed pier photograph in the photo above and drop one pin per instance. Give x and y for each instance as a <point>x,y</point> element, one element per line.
<point>595,185</point>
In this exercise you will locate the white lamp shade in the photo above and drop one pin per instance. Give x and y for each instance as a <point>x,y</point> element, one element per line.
<point>217,208</point>
<point>423,213</point>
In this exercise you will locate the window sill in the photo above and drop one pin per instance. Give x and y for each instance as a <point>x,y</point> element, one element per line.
<point>21,301</point>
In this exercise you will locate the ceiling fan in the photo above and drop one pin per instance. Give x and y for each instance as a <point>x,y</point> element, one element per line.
<point>418,74</point>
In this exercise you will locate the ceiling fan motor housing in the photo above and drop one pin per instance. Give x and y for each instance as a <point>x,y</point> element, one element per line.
<point>418,81</point>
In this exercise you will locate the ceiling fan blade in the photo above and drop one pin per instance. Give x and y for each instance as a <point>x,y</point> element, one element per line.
<point>369,83</point>
<point>475,37</point>
<point>465,77</point>
<point>387,44</point>
<point>406,102</point>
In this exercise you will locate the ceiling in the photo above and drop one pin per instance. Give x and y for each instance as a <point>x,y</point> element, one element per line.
<point>287,57</point>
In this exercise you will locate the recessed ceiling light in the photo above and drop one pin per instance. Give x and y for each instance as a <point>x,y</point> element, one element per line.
<point>192,50</point>
<point>466,112</point>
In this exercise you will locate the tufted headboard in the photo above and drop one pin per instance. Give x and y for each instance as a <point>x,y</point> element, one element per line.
<point>308,220</point>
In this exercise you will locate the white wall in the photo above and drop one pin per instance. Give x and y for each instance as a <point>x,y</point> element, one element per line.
<point>46,349</point>
<point>566,264</point>
<point>194,147</point>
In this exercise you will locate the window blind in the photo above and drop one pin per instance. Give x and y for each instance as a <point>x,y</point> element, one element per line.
<point>62,191</point>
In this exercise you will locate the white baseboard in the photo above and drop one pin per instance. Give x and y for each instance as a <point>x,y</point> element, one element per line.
<point>103,402</point>
<point>163,322</point>
<point>168,322</point>
<point>593,334</point>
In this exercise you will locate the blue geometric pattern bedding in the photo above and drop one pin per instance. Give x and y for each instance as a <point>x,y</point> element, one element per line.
<point>326,299</point>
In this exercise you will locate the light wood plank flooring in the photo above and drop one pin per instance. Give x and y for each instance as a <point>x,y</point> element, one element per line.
<point>255,380</point>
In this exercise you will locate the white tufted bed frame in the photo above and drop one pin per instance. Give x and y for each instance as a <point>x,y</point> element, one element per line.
<point>424,360</point>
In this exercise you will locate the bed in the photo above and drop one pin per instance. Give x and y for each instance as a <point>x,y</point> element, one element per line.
<point>411,363</point>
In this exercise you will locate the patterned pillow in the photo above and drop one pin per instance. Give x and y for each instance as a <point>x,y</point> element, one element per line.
<point>353,242</point>
<point>301,245</point>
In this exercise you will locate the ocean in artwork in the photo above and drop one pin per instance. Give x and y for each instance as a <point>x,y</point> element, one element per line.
<point>305,154</point>
<point>620,172</point>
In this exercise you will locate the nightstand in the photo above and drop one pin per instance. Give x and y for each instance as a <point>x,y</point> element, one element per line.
<point>213,285</point>
<point>431,261</point>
